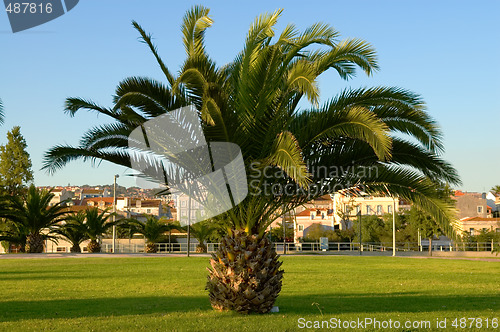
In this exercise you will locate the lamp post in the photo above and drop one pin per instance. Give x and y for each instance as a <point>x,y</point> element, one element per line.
<point>394,226</point>
<point>359,221</point>
<point>114,212</point>
<point>189,222</point>
<point>284,232</point>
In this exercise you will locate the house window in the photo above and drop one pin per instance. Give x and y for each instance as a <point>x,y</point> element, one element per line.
<point>184,213</point>
<point>379,209</point>
<point>148,210</point>
<point>61,249</point>
<point>389,208</point>
<point>479,209</point>
<point>301,228</point>
<point>368,209</point>
<point>358,209</point>
<point>322,216</point>
<point>471,231</point>
<point>312,215</point>
<point>183,203</point>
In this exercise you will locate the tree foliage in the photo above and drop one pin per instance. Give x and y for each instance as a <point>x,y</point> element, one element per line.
<point>31,218</point>
<point>74,230</point>
<point>15,163</point>
<point>253,102</point>
<point>496,189</point>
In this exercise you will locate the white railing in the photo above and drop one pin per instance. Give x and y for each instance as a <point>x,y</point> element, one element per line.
<point>291,247</point>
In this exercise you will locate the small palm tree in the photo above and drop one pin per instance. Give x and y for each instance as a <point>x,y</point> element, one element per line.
<point>153,230</point>
<point>202,231</point>
<point>13,233</point>
<point>32,214</point>
<point>97,224</point>
<point>74,230</point>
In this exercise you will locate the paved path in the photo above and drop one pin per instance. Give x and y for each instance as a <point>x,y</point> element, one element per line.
<point>70,255</point>
<point>463,258</point>
<point>142,255</point>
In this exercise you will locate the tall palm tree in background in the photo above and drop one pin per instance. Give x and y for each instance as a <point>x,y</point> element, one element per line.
<point>74,230</point>
<point>495,189</point>
<point>153,230</point>
<point>32,215</point>
<point>97,224</point>
<point>380,139</point>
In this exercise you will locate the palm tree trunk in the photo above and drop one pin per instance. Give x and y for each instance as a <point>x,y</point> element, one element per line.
<point>34,243</point>
<point>201,248</point>
<point>76,248</point>
<point>151,248</point>
<point>245,274</point>
<point>93,246</point>
<point>430,246</point>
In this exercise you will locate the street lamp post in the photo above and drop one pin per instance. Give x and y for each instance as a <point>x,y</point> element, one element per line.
<point>359,221</point>
<point>189,223</point>
<point>114,212</point>
<point>394,226</point>
<point>284,233</point>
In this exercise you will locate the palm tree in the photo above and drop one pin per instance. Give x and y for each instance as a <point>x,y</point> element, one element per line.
<point>202,231</point>
<point>32,215</point>
<point>13,233</point>
<point>74,230</point>
<point>153,230</point>
<point>378,139</point>
<point>97,224</point>
<point>496,189</point>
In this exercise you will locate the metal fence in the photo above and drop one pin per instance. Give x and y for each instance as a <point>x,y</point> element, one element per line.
<point>381,247</point>
<point>160,247</point>
<point>299,247</point>
<point>316,247</point>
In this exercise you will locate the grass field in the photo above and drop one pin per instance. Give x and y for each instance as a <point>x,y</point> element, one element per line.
<point>167,293</point>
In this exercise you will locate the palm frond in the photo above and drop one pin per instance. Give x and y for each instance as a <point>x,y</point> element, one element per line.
<point>195,22</point>
<point>146,38</point>
<point>287,155</point>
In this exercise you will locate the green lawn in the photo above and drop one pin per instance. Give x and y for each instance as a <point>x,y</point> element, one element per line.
<point>167,293</point>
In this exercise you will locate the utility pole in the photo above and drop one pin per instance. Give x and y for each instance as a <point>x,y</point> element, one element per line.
<point>114,212</point>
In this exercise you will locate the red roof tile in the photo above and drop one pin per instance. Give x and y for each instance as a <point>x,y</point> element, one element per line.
<point>481,219</point>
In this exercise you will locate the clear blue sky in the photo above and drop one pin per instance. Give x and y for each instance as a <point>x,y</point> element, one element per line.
<point>447,51</point>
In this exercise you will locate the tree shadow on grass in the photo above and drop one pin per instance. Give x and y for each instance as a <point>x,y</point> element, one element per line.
<point>301,305</point>
<point>386,303</point>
